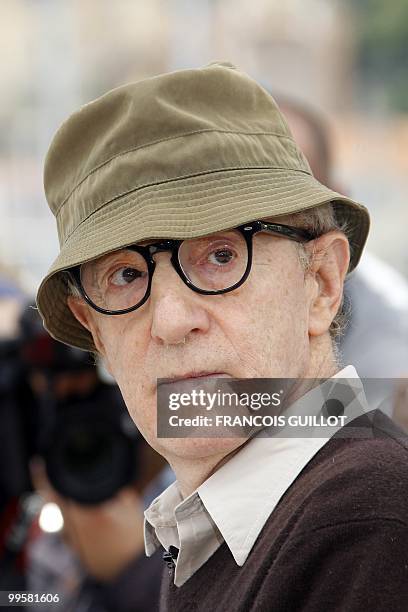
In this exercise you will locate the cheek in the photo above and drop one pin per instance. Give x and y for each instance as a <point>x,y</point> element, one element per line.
<point>139,397</point>
<point>125,352</point>
<point>122,343</point>
<point>269,324</point>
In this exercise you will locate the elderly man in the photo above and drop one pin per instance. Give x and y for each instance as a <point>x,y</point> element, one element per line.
<point>195,243</point>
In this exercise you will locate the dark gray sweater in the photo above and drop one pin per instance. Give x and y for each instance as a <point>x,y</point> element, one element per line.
<point>336,542</point>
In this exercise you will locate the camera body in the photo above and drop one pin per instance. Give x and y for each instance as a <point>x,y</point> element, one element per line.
<point>82,431</point>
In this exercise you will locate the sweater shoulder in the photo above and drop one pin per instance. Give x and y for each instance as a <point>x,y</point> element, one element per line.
<point>352,479</point>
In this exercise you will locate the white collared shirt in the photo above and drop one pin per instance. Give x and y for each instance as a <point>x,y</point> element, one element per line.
<point>234,503</point>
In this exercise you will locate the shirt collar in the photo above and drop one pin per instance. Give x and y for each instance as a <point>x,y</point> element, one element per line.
<point>240,496</point>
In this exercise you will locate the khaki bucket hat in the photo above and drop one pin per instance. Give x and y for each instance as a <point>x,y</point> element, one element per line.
<point>179,155</point>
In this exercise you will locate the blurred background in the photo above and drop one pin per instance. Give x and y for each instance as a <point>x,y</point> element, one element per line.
<point>345,61</point>
<point>347,58</point>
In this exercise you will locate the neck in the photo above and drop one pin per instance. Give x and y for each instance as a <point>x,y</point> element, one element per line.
<point>322,363</point>
<point>191,474</point>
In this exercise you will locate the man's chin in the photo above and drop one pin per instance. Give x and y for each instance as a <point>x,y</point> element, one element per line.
<point>196,449</point>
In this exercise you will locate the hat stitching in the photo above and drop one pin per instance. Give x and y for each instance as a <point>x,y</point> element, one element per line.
<point>154,142</point>
<point>172,180</point>
<point>310,202</point>
<point>283,196</point>
<point>175,228</point>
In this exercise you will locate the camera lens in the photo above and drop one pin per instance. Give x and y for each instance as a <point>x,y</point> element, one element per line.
<point>90,454</point>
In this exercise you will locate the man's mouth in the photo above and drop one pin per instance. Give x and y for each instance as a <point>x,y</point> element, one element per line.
<point>195,375</point>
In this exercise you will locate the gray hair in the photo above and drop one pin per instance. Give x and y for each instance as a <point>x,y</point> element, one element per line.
<point>72,289</point>
<point>320,220</point>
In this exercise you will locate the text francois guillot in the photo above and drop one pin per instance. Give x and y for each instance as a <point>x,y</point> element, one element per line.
<point>251,401</point>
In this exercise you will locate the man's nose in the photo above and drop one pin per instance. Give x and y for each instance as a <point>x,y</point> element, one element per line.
<point>176,310</point>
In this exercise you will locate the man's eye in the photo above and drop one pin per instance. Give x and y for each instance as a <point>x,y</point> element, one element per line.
<point>124,276</point>
<point>221,257</point>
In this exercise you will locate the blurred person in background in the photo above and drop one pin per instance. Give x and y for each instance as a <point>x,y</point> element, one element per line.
<point>374,336</point>
<point>12,298</point>
<point>96,474</point>
<point>14,475</point>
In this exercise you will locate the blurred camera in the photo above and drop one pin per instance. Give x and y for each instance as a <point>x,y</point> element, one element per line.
<point>55,405</point>
<point>90,446</point>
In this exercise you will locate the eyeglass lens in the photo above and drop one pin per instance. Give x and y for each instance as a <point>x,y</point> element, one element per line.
<point>119,280</point>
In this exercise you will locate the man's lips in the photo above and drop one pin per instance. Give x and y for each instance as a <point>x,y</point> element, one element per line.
<point>194,375</point>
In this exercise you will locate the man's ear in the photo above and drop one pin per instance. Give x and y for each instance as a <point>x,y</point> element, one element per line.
<point>84,316</point>
<point>329,265</point>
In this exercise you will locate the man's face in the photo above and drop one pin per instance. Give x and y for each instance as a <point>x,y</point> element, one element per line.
<point>257,330</point>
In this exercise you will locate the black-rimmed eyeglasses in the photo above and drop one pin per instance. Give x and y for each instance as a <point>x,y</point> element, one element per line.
<point>120,282</point>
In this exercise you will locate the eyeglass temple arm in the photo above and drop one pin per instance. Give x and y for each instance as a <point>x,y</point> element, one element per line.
<point>293,233</point>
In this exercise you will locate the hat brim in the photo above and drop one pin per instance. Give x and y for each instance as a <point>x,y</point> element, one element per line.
<point>187,208</point>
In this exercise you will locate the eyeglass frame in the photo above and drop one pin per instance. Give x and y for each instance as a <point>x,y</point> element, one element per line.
<point>248,230</point>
